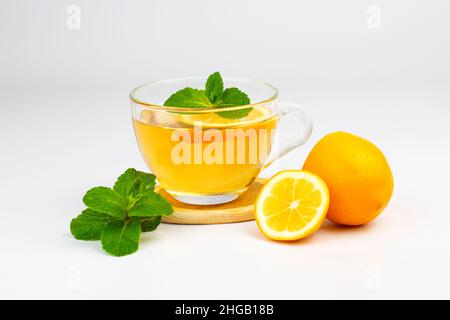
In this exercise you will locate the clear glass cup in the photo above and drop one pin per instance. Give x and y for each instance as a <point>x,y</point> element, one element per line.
<point>204,156</point>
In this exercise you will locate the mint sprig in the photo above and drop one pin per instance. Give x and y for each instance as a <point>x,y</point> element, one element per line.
<point>117,216</point>
<point>213,96</point>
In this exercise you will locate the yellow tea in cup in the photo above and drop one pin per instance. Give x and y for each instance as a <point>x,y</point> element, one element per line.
<point>205,154</point>
<point>201,156</point>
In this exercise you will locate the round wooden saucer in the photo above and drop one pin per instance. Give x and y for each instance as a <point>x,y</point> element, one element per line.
<point>238,210</point>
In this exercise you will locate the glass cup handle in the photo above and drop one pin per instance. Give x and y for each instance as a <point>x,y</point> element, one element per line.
<point>305,126</point>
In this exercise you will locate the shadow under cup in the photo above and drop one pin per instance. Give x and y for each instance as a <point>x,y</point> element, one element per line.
<point>199,155</point>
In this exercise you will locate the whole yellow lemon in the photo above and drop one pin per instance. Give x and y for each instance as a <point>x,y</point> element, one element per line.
<point>357,174</point>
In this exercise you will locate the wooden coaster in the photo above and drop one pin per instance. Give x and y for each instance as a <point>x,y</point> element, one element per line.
<point>238,210</point>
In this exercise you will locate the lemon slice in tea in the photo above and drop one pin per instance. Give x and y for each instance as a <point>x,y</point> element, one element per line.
<point>213,120</point>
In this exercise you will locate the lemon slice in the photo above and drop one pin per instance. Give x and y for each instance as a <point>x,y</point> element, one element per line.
<point>291,205</point>
<point>212,120</point>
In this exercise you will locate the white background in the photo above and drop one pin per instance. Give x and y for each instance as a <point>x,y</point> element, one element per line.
<point>65,127</point>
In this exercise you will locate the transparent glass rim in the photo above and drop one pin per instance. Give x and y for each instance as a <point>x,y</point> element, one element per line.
<point>154,106</point>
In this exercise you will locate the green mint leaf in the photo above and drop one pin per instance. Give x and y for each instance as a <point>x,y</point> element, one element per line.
<point>188,98</point>
<point>234,97</point>
<point>150,223</point>
<point>151,204</point>
<point>121,238</point>
<point>133,183</point>
<point>127,184</point>
<point>214,87</point>
<point>148,181</point>
<point>105,200</point>
<point>235,114</point>
<point>89,225</point>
